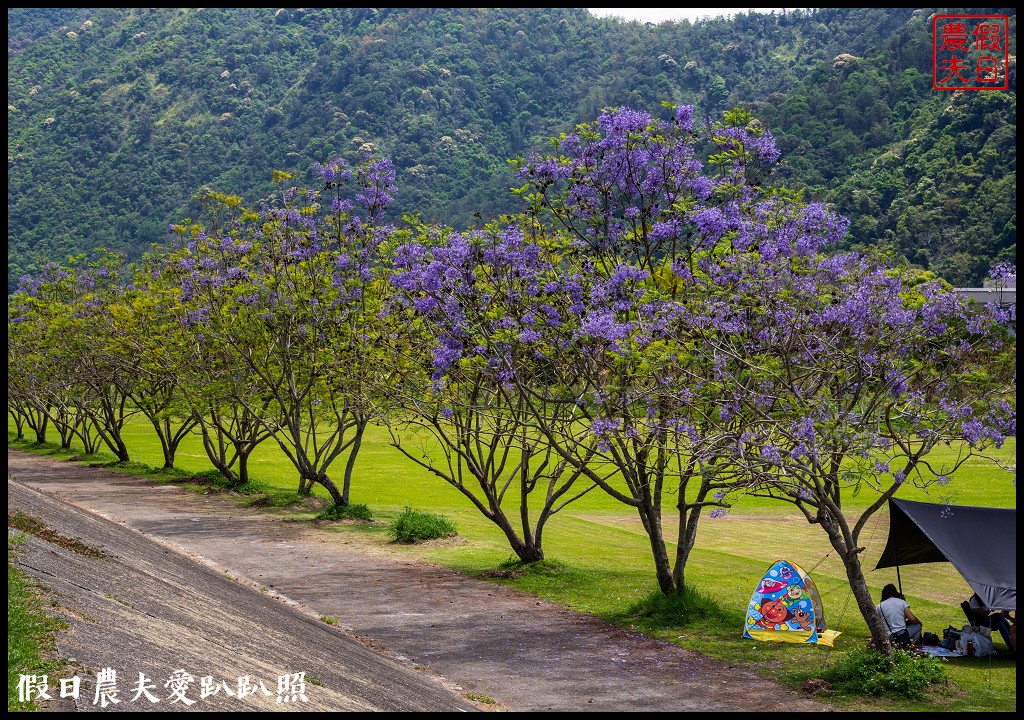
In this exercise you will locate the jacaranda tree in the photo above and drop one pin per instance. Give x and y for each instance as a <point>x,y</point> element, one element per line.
<point>226,401</point>
<point>468,299</point>
<point>856,374</point>
<point>145,337</point>
<point>290,291</point>
<point>589,309</point>
<point>63,326</point>
<point>660,323</point>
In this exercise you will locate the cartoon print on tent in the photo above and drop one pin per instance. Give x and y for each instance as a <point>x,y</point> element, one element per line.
<point>786,607</point>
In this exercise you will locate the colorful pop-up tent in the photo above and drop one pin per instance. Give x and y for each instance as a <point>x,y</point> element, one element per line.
<point>786,607</point>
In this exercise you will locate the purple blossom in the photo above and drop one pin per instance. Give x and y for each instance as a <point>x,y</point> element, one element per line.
<point>684,117</point>
<point>1004,273</point>
<point>973,431</point>
<point>711,222</point>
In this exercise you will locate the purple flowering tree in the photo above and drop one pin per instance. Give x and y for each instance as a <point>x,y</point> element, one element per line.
<point>226,403</point>
<point>147,342</point>
<point>472,375</point>
<point>31,380</point>
<point>719,340</point>
<point>67,356</point>
<point>587,312</point>
<point>854,374</point>
<point>290,292</point>
<point>646,220</point>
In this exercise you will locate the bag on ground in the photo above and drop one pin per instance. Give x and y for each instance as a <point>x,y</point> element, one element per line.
<point>973,642</point>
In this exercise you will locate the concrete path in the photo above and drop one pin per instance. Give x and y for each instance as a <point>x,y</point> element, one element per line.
<point>476,638</point>
<point>135,606</point>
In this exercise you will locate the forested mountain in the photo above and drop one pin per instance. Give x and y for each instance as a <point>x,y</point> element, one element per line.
<point>927,175</point>
<point>116,117</point>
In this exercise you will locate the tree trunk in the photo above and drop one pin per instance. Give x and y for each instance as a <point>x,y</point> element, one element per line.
<point>867,606</point>
<point>91,441</point>
<point>116,444</point>
<point>40,428</point>
<point>65,428</point>
<point>331,488</point>
<point>163,432</point>
<point>688,521</point>
<point>243,464</point>
<point>19,424</point>
<point>120,450</point>
<point>662,565</point>
<point>357,441</point>
<point>218,457</point>
<point>844,544</point>
<point>528,549</point>
<point>528,552</point>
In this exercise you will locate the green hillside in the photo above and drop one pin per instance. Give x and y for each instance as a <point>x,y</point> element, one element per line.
<point>116,117</point>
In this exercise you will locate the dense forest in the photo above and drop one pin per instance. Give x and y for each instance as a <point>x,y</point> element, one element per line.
<point>117,117</point>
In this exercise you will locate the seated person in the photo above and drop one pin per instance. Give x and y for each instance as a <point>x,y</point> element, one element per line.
<point>981,616</point>
<point>896,613</point>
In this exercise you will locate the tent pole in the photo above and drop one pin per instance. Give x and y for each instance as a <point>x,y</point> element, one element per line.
<point>899,580</point>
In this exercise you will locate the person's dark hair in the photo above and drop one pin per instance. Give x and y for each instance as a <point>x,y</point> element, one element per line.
<point>890,591</point>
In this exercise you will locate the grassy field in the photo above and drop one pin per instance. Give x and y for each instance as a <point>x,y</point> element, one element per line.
<point>598,561</point>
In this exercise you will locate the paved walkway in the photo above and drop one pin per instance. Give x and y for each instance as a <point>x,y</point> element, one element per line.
<point>476,638</point>
<point>137,608</point>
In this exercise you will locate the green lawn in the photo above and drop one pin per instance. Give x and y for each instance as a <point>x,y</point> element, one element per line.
<point>598,561</point>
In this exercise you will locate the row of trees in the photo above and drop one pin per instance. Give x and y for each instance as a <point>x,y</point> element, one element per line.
<point>659,324</point>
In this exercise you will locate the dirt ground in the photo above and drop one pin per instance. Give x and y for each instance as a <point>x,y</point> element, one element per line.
<point>498,648</point>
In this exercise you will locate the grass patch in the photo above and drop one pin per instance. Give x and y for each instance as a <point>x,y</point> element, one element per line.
<point>513,568</point>
<point>34,526</point>
<point>416,525</point>
<point>212,480</point>
<point>275,499</point>
<point>328,620</point>
<point>30,636</point>
<point>869,672</point>
<point>118,600</point>
<point>352,511</point>
<point>250,487</point>
<point>688,609</point>
<point>480,698</point>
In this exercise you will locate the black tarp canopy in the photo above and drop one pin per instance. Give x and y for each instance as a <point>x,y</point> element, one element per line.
<point>980,542</point>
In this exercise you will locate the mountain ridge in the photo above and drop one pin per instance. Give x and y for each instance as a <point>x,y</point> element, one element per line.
<point>116,118</point>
